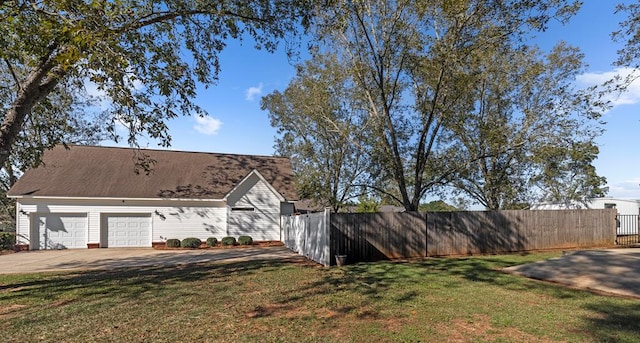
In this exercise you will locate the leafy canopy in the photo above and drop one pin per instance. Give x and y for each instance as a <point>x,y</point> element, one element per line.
<point>146,56</point>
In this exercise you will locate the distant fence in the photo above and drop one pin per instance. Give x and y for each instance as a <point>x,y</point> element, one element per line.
<point>627,229</point>
<point>379,236</point>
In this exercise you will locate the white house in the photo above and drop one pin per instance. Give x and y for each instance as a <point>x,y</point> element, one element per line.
<point>628,211</point>
<point>89,197</point>
<point>624,206</point>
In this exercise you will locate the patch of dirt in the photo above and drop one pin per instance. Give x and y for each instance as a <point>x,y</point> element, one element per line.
<point>10,309</point>
<point>480,328</point>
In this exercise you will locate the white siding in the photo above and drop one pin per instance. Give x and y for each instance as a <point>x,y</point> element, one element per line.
<point>623,206</point>
<point>190,221</point>
<point>170,219</point>
<point>263,222</point>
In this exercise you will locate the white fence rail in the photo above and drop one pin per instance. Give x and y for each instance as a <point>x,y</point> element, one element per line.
<point>308,235</point>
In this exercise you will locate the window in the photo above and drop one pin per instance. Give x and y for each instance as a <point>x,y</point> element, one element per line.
<point>245,209</point>
<point>607,205</point>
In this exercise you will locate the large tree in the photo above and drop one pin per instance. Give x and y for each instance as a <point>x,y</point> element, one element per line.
<point>412,63</point>
<point>519,138</point>
<point>319,127</point>
<point>145,56</point>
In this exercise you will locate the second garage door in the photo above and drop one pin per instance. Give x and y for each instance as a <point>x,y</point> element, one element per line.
<point>128,231</point>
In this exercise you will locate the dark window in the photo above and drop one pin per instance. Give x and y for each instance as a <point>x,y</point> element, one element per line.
<point>609,205</point>
<point>246,209</point>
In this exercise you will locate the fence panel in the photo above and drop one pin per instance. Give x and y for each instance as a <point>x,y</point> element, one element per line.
<point>464,233</point>
<point>377,236</point>
<point>308,235</point>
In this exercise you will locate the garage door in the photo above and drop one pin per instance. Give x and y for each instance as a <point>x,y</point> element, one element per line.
<point>60,231</point>
<point>129,231</point>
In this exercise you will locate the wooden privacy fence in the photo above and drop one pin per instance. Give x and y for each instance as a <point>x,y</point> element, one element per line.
<point>379,236</point>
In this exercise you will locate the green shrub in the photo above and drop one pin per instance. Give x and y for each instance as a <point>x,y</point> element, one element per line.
<point>228,241</point>
<point>173,243</point>
<point>7,240</point>
<point>191,242</point>
<point>245,240</point>
<point>212,241</point>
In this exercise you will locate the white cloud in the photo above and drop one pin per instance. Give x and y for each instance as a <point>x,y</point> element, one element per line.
<point>625,189</point>
<point>207,125</point>
<point>630,96</point>
<point>252,92</point>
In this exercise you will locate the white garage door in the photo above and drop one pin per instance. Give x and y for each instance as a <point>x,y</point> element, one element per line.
<point>129,231</point>
<point>60,231</point>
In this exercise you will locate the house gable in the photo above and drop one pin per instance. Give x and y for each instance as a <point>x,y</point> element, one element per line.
<point>254,209</point>
<point>249,182</point>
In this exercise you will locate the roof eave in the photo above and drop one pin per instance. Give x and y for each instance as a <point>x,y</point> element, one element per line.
<point>111,198</point>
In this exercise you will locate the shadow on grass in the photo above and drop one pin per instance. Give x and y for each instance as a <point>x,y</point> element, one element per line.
<point>127,283</point>
<point>372,285</point>
<point>616,322</point>
<point>362,291</point>
<point>376,279</point>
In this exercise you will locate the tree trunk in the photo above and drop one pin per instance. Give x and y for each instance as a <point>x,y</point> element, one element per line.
<point>40,82</point>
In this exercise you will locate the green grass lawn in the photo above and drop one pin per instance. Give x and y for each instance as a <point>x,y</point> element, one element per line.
<point>431,300</point>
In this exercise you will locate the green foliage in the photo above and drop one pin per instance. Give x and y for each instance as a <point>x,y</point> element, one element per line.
<point>629,34</point>
<point>145,57</point>
<point>523,106</point>
<point>317,126</point>
<point>228,241</point>
<point>245,240</point>
<point>172,243</point>
<point>212,242</point>
<point>415,71</point>
<point>367,205</point>
<point>437,206</point>
<point>567,174</point>
<point>191,242</point>
<point>7,240</point>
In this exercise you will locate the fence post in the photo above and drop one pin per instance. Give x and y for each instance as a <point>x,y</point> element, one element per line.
<point>326,237</point>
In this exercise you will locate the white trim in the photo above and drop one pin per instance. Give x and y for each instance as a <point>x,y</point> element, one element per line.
<point>257,173</point>
<point>113,198</point>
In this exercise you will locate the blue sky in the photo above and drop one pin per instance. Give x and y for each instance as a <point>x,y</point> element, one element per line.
<point>237,125</point>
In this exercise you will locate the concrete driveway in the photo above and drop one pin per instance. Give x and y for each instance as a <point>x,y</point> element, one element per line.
<point>88,259</point>
<point>615,271</point>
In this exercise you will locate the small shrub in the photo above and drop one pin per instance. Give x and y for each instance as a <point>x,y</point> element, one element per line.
<point>245,240</point>
<point>212,241</point>
<point>173,243</point>
<point>191,242</point>
<point>228,241</point>
<point>7,240</point>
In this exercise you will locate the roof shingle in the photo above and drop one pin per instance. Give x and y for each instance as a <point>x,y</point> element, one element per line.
<point>91,171</point>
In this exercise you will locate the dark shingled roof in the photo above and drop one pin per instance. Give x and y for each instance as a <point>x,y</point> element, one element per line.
<point>90,171</point>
